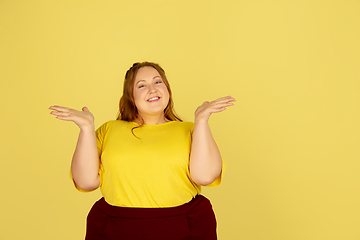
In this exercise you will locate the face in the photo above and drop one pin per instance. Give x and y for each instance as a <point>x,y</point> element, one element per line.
<point>150,92</point>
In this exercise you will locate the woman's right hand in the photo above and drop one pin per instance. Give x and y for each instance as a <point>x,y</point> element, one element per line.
<point>83,119</point>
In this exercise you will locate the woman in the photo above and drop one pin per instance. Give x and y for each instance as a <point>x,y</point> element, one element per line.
<point>149,164</point>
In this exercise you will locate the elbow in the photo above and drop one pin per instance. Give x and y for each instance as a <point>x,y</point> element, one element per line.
<point>87,185</point>
<point>202,180</point>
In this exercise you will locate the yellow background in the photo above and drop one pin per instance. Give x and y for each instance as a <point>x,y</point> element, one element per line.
<point>291,142</point>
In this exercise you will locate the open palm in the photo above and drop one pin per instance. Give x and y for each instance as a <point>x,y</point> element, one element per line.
<point>82,118</point>
<point>204,111</point>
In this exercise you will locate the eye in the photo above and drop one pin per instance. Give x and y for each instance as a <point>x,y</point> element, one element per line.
<point>141,86</point>
<point>158,81</point>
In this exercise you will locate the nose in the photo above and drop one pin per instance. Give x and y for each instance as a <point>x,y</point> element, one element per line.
<point>152,89</point>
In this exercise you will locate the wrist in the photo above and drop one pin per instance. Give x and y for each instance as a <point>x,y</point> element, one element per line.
<point>201,121</point>
<point>88,128</point>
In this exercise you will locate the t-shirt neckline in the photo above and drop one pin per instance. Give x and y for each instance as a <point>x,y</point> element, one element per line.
<point>161,124</point>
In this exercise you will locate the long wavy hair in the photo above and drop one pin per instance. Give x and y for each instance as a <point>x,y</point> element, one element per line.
<point>127,108</point>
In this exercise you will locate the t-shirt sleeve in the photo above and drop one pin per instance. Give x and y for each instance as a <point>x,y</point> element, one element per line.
<point>100,135</point>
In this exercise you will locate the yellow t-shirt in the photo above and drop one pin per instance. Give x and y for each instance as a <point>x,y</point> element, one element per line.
<point>149,171</point>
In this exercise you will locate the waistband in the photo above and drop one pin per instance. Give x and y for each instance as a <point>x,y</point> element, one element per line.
<point>129,212</point>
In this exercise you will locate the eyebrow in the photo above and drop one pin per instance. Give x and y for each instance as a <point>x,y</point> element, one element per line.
<point>145,81</point>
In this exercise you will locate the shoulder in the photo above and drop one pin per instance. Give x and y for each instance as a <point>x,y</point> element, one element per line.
<point>185,125</point>
<point>188,124</point>
<point>112,124</point>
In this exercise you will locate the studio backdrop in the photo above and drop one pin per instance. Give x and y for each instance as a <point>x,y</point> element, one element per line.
<point>291,142</point>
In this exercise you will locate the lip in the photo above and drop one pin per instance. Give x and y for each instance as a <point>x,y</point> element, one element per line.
<point>154,100</point>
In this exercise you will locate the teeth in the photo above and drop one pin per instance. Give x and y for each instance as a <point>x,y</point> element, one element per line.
<point>154,98</point>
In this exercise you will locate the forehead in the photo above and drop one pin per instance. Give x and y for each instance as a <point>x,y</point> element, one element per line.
<point>145,73</point>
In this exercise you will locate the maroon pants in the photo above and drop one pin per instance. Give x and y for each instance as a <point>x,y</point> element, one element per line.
<point>194,220</point>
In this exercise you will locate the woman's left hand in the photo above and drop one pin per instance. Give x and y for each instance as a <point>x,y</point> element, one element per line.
<point>204,111</point>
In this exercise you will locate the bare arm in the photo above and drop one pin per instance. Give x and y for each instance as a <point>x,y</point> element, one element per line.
<point>205,159</point>
<point>85,161</point>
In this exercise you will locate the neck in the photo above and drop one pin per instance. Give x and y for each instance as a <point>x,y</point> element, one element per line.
<point>152,119</point>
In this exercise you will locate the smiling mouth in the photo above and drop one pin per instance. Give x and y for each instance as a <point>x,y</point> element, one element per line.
<point>153,99</point>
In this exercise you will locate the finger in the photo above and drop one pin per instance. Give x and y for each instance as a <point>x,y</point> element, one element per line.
<point>60,113</point>
<point>59,108</point>
<point>66,118</point>
<point>219,107</point>
<point>225,105</point>
<point>222,104</point>
<point>85,109</point>
<point>223,100</point>
<point>218,110</point>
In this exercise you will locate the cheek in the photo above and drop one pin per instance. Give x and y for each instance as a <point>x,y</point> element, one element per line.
<point>165,91</point>
<point>135,96</point>
<point>137,100</point>
<point>138,95</point>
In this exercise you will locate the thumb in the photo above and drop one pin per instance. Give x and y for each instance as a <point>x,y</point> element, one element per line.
<point>85,109</point>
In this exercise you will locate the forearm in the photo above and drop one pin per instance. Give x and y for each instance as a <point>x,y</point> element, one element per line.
<point>85,161</point>
<point>205,159</point>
